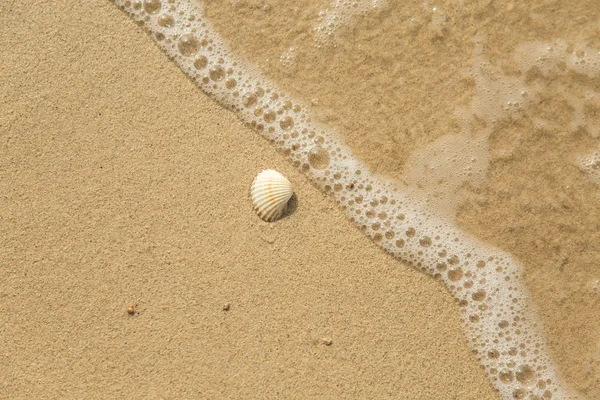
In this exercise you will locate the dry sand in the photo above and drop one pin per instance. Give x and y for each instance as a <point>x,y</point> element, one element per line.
<point>120,182</point>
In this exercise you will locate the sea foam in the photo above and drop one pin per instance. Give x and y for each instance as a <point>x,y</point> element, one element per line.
<point>500,319</point>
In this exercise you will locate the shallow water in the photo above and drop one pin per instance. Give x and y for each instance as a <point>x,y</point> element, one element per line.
<point>397,77</point>
<point>486,118</point>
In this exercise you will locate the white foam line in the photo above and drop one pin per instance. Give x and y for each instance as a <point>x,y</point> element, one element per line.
<point>499,317</point>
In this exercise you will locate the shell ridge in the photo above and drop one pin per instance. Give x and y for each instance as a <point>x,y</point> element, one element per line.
<point>270,193</point>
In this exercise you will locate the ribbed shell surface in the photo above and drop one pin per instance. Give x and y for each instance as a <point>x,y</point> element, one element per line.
<point>270,194</point>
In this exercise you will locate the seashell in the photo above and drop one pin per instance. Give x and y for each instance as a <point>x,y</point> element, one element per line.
<point>270,193</point>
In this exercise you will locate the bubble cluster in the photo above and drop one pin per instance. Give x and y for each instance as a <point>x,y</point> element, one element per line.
<point>500,322</point>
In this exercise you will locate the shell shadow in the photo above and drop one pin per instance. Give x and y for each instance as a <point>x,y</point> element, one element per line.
<point>291,206</point>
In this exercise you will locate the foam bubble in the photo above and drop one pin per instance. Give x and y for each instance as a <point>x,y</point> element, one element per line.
<point>499,317</point>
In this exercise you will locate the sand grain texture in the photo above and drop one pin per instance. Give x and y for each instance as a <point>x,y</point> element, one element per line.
<point>397,79</point>
<point>120,182</point>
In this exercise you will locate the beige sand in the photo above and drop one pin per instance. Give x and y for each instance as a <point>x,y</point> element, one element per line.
<point>392,84</point>
<point>120,182</point>
<point>391,79</point>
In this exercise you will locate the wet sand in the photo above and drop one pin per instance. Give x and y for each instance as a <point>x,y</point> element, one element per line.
<point>121,183</point>
<point>391,82</point>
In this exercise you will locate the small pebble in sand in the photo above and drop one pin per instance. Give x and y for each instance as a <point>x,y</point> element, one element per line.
<point>130,309</point>
<point>326,341</point>
<point>226,307</point>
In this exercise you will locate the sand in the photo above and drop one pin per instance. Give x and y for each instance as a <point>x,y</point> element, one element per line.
<point>121,183</point>
<point>391,81</point>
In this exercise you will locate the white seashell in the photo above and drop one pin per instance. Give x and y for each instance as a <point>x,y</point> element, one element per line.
<point>270,193</point>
